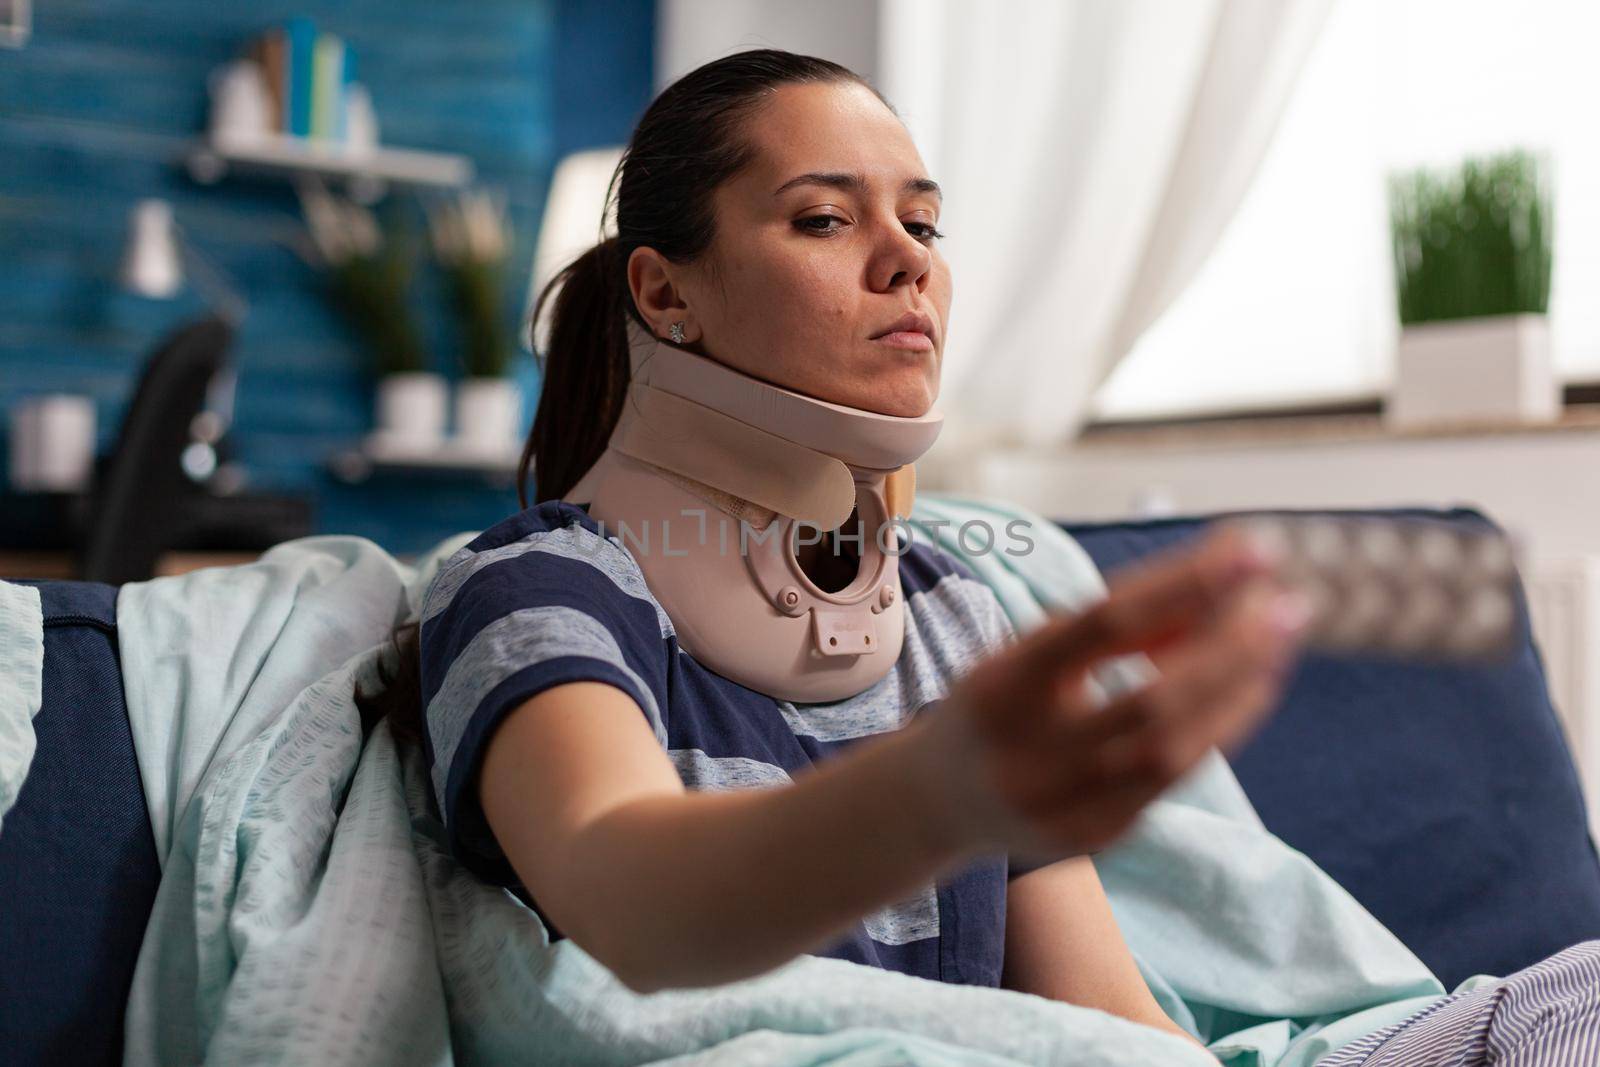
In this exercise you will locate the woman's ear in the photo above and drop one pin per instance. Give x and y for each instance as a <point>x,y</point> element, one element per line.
<point>657,290</point>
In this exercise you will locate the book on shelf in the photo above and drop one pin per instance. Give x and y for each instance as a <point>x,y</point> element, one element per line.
<point>310,76</point>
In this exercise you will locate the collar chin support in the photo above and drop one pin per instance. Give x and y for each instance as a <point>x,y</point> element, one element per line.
<point>714,480</point>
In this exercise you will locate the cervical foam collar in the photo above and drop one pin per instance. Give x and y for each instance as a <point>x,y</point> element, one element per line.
<point>778,469</point>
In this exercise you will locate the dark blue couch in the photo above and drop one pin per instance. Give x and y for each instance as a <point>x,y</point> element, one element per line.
<point>1443,798</point>
<point>78,867</point>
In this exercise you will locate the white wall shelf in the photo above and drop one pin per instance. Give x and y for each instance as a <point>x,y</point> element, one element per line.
<point>367,171</point>
<point>378,453</point>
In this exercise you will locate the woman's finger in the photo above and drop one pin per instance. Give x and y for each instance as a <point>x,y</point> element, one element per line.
<point>1209,692</point>
<point>1242,639</point>
<point>1062,746</point>
<point>1144,608</point>
<point>1152,734</point>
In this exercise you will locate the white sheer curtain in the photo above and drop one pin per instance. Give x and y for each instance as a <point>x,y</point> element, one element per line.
<point>1091,153</point>
<point>1296,305</point>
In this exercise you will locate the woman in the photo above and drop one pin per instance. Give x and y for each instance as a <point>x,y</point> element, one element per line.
<point>775,218</point>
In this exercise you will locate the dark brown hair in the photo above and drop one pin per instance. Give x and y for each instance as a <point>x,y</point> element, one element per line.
<point>685,146</point>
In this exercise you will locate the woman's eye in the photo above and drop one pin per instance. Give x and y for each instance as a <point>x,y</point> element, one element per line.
<point>806,224</point>
<point>922,231</point>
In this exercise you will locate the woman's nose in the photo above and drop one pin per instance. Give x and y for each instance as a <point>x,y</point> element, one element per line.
<point>901,260</point>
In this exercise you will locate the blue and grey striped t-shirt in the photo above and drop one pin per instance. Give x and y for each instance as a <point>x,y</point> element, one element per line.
<point>541,598</point>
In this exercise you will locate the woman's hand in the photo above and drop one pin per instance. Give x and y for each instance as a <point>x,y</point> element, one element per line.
<point>1019,757</point>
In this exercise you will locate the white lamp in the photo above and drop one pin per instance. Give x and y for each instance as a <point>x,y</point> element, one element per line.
<point>151,265</point>
<point>572,220</point>
<point>155,258</point>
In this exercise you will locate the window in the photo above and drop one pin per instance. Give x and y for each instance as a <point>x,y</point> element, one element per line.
<point>1296,305</point>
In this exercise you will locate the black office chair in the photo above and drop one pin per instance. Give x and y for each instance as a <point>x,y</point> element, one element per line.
<point>136,509</point>
<point>144,503</point>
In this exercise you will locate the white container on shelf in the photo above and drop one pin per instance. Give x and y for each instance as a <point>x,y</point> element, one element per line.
<point>412,409</point>
<point>52,444</point>
<point>488,415</point>
<point>1493,369</point>
<point>241,108</point>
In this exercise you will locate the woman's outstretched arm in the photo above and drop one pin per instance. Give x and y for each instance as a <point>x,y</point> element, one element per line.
<point>673,888</point>
<point>669,887</point>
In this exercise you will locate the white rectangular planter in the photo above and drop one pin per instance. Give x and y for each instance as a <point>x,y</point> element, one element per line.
<point>412,408</point>
<point>488,411</point>
<point>1495,369</point>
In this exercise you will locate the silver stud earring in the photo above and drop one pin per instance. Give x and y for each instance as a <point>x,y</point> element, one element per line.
<point>676,332</point>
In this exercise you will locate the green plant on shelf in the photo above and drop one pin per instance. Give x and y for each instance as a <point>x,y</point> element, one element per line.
<point>369,268</point>
<point>1472,240</point>
<point>471,241</point>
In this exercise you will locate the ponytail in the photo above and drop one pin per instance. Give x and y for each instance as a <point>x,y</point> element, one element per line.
<point>586,372</point>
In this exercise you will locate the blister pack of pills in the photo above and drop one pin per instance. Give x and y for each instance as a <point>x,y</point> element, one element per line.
<point>1399,587</point>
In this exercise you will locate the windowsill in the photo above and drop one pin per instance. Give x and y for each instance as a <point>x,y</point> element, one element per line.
<point>1357,421</point>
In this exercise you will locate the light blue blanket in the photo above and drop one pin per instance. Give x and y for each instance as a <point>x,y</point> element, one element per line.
<point>21,685</point>
<point>308,910</point>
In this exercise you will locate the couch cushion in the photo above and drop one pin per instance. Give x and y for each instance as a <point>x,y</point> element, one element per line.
<point>78,869</point>
<point>1444,798</point>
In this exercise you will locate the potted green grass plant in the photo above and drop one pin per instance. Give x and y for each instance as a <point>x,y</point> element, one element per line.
<point>1472,260</point>
<point>471,242</point>
<point>369,270</point>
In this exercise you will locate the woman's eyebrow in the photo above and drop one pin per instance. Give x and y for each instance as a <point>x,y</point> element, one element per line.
<point>855,183</point>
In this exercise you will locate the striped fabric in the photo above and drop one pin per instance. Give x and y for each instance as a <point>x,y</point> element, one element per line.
<point>541,599</point>
<point>1545,1015</point>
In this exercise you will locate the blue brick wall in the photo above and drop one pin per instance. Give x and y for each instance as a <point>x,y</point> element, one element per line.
<point>96,112</point>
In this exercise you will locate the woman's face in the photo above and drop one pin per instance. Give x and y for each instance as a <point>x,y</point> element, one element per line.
<point>822,243</point>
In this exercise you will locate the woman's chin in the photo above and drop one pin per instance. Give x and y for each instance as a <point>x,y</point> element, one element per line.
<point>909,401</point>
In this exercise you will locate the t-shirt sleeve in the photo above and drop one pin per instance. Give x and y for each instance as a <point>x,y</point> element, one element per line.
<point>1018,865</point>
<point>991,625</point>
<point>968,620</point>
<point>504,623</point>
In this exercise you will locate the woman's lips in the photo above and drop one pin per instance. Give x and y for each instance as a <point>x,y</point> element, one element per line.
<point>910,340</point>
